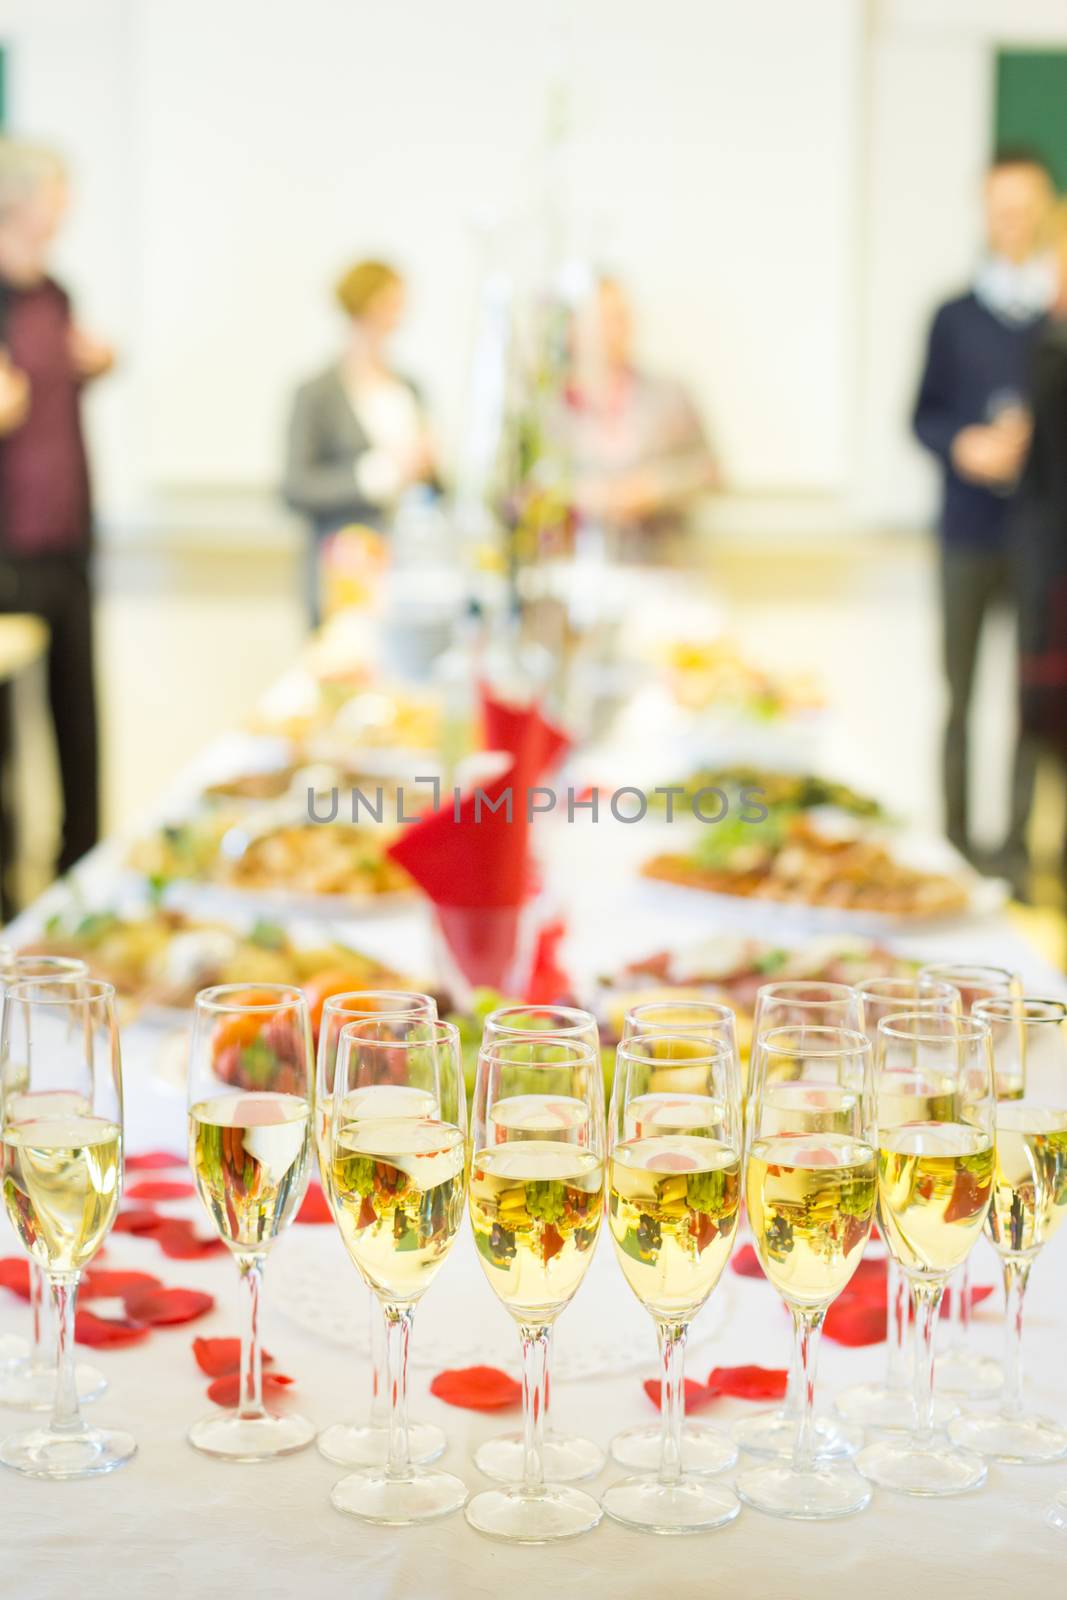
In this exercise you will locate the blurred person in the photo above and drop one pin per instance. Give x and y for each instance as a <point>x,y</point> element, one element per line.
<point>358,433</point>
<point>635,441</point>
<point>46,359</point>
<point>972,414</point>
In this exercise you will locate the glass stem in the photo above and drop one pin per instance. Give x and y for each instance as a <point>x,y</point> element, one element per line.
<point>250,1402</point>
<point>41,1357</point>
<point>927,1297</point>
<point>1016,1278</point>
<point>398,1321</point>
<point>898,1327</point>
<point>65,1415</point>
<point>535,1348</point>
<point>807,1330</point>
<point>379,1402</point>
<point>960,1308</point>
<point>793,1404</point>
<point>671,1337</point>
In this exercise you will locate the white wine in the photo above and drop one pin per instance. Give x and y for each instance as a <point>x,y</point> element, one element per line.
<point>673,1202</point>
<point>811,1200</point>
<point>935,1182</point>
<point>535,1208</point>
<point>61,1179</point>
<point>249,1154</point>
<point>397,1189</point>
<point>1030,1182</point>
<point>376,1102</point>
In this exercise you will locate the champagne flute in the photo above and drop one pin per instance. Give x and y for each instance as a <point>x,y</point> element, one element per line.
<point>28,1382</point>
<point>674,1195</point>
<point>798,1003</point>
<point>705,1449</point>
<point>62,1177</point>
<point>891,1403</point>
<point>810,1188</point>
<point>1029,1202</point>
<point>935,1181</point>
<point>536,1197</point>
<point>397,1177</point>
<point>366,1444</point>
<point>568,1458</point>
<point>250,1153</point>
<point>961,1370</point>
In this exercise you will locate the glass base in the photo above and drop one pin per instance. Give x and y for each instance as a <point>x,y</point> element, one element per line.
<point>909,1467</point>
<point>966,1372</point>
<point>705,1450</point>
<point>876,1405</point>
<point>774,1433</point>
<point>567,1458</point>
<point>27,1390</point>
<point>558,1512</point>
<point>40,1453</point>
<point>1026,1439</point>
<point>1057,1513</point>
<point>420,1497</point>
<point>689,1506</point>
<point>351,1444</point>
<point>235,1438</point>
<point>812,1495</point>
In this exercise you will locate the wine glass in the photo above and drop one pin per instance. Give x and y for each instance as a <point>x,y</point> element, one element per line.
<point>961,1370</point>
<point>797,1003</point>
<point>705,1449</point>
<point>536,1197</point>
<point>28,1381</point>
<point>891,1403</point>
<point>568,1458</point>
<point>1029,1202</point>
<point>397,1177</point>
<point>936,1158</point>
<point>366,1444</point>
<point>250,1090</point>
<point>674,1195</point>
<point>810,1189</point>
<point>62,1178</point>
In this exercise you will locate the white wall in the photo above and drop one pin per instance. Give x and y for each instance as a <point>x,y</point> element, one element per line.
<point>234,155</point>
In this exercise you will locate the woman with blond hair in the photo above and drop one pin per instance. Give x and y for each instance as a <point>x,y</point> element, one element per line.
<point>358,434</point>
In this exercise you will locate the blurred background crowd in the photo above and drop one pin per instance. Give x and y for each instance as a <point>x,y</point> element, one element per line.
<point>774,293</point>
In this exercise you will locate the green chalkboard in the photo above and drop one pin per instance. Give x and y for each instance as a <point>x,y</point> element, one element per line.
<point>1031,105</point>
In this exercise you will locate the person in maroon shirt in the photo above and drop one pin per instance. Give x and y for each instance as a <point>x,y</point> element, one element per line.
<point>45,501</point>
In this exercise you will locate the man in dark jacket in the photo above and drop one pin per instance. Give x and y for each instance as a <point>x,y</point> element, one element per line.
<point>972,413</point>
<point>45,510</point>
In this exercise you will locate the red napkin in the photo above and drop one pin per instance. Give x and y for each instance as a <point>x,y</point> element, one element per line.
<point>535,744</point>
<point>314,1208</point>
<point>470,855</point>
<point>15,1275</point>
<point>477,1388</point>
<point>548,982</point>
<point>745,1262</point>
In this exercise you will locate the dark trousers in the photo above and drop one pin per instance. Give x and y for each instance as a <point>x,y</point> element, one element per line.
<point>58,589</point>
<point>973,584</point>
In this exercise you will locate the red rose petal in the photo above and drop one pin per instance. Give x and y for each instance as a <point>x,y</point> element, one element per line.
<point>180,1241</point>
<point>226,1391</point>
<point>314,1208</point>
<point>746,1262</point>
<point>853,1320</point>
<point>102,1331</point>
<point>100,1283</point>
<point>162,1307</point>
<point>160,1189</point>
<point>138,1219</point>
<point>477,1388</point>
<point>15,1275</point>
<point>219,1357</point>
<point>748,1382</point>
<point>153,1161</point>
<point>696,1395</point>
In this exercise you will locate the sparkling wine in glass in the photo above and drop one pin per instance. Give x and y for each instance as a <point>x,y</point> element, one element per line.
<point>62,1124</point>
<point>536,1200</point>
<point>398,1183</point>
<point>674,1196</point>
<point>810,1190</point>
<point>366,1444</point>
<point>250,1138</point>
<point>935,1184</point>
